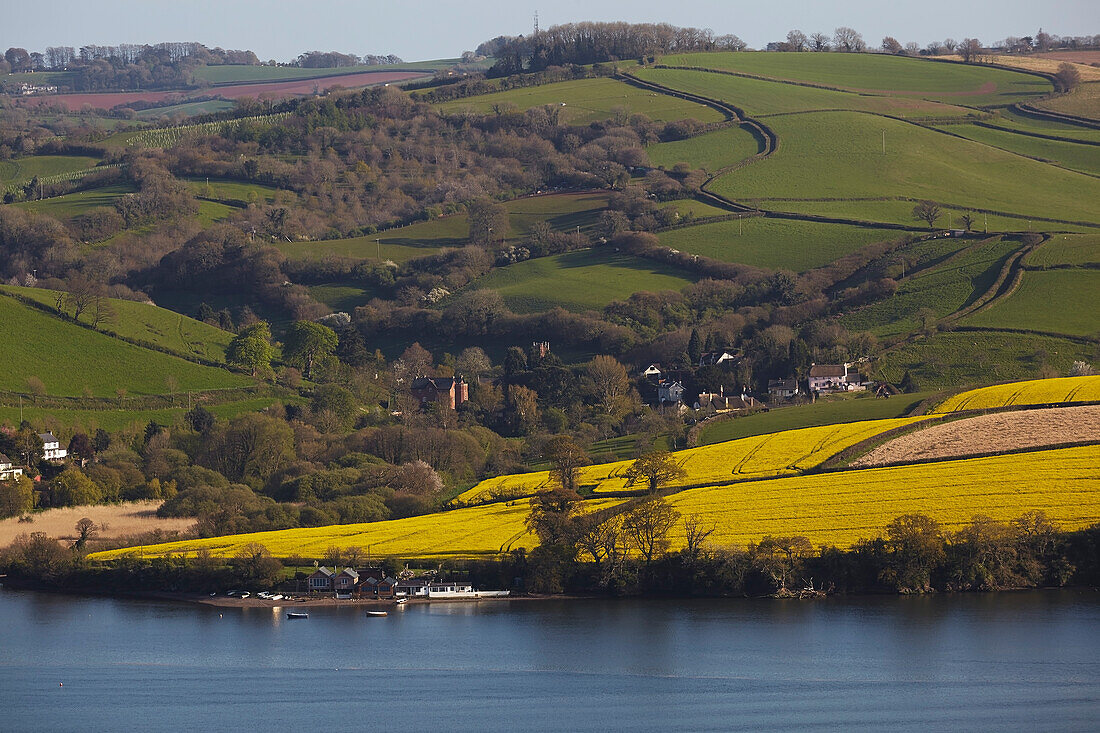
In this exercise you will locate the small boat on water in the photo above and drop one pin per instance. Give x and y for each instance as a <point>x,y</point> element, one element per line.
<point>296,614</point>
<point>401,601</point>
<point>378,613</point>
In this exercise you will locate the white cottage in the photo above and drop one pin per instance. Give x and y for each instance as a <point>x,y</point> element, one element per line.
<point>8,471</point>
<point>51,447</point>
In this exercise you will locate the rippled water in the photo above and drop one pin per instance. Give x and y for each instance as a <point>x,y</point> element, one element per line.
<point>1013,661</point>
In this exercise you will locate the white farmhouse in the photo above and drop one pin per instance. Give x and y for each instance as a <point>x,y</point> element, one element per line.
<point>836,378</point>
<point>51,447</point>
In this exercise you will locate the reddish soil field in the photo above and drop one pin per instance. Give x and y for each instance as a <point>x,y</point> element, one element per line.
<point>999,431</point>
<point>265,90</point>
<point>1077,57</point>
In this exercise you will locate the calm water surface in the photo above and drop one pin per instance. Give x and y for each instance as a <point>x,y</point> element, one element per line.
<point>1021,661</point>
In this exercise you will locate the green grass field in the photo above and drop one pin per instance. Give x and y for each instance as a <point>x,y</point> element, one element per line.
<point>211,212</point>
<point>760,98</point>
<point>1025,123</point>
<point>945,289</point>
<point>1075,156</point>
<point>71,360</point>
<point>144,322</point>
<point>1083,102</point>
<point>187,109</point>
<point>828,411</point>
<point>114,420</point>
<point>882,74</point>
<point>901,212</point>
<point>21,170</point>
<point>839,155</point>
<point>697,209</point>
<point>1067,249</point>
<point>954,359</point>
<point>73,205</point>
<point>584,280</point>
<point>774,243</point>
<point>587,100</point>
<point>232,74</point>
<point>233,191</point>
<point>710,151</point>
<point>563,212</point>
<point>342,296</point>
<point>1056,301</point>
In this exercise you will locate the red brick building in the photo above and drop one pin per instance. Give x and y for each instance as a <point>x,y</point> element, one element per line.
<point>447,391</point>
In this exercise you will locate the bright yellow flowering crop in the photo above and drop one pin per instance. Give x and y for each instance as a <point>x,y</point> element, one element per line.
<point>1033,392</point>
<point>776,454</point>
<point>842,507</point>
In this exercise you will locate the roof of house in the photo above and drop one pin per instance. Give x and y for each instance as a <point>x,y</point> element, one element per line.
<point>791,383</point>
<point>4,460</point>
<point>351,572</point>
<point>828,370</point>
<point>713,357</point>
<point>439,384</point>
<point>48,438</point>
<point>324,571</point>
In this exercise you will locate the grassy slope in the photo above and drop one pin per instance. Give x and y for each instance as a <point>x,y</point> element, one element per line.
<point>1026,123</point>
<point>839,155</point>
<point>1075,156</point>
<point>711,151</point>
<point>583,280</point>
<point>1083,102</point>
<point>774,243</point>
<point>160,326</point>
<point>74,204</point>
<point>901,212</point>
<point>70,359</point>
<point>830,411</point>
<point>949,360</point>
<point>944,289</point>
<point>231,74</point>
<point>586,100</point>
<point>759,97</point>
<point>18,170</point>
<point>561,211</point>
<point>1067,249</point>
<point>880,73</point>
<point>1057,301</point>
<point>341,296</point>
<point>232,190</point>
<point>187,109</point>
<point>114,420</point>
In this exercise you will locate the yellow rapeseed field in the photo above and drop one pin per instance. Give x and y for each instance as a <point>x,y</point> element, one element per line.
<point>830,509</point>
<point>472,532</point>
<point>1033,392</point>
<point>776,454</point>
<point>843,507</point>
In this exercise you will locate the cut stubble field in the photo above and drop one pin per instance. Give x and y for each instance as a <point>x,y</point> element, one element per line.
<point>114,521</point>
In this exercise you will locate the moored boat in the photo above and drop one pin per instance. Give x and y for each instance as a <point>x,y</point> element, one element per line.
<point>296,614</point>
<point>378,613</point>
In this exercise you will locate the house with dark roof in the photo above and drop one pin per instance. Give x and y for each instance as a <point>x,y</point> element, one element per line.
<point>782,389</point>
<point>836,378</point>
<point>8,470</point>
<point>51,447</point>
<point>447,391</point>
<point>320,580</point>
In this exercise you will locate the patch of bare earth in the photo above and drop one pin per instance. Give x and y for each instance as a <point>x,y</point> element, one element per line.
<point>117,520</point>
<point>994,433</point>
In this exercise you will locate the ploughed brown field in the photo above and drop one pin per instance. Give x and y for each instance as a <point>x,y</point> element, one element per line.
<point>263,90</point>
<point>1002,431</point>
<point>130,518</point>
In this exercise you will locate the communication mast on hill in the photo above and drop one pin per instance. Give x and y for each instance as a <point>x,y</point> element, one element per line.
<point>536,32</point>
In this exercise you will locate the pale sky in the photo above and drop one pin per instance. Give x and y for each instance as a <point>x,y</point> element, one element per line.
<point>429,29</point>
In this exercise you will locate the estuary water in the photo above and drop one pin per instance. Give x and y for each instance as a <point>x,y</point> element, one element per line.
<point>1010,661</point>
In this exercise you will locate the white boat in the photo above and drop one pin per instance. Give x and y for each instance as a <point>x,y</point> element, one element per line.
<point>401,601</point>
<point>378,613</point>
<point>294,614</point>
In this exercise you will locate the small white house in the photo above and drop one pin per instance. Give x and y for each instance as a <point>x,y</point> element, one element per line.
<point>51,447</point>
<point>653,371</point>
<point>782,388</point>
<point>836,378</point>
<point>670,392</point>
<point>8,471</point>
<point>717,358</point>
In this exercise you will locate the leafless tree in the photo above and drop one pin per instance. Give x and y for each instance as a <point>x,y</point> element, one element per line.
<point>648,525</point>
<point>969,49</point>
<point>927,211</point>
<point>819,42</point>
<point>891,45</point>
<point>848,40</point>
<point>696,534</point>
<point>797,40</point>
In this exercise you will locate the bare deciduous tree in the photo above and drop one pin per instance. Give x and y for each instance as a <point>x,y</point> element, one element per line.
<point>928,212</point>
<point>819,42</point>
<point>969,49</point>
<point>648,525</point>
<point>848,40</point>
<point>797,40</point>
